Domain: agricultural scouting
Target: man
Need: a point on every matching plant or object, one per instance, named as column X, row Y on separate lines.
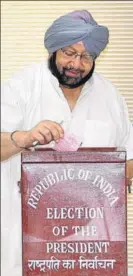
column 44, row 101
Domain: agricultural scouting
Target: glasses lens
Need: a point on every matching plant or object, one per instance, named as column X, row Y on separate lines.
column 86, row 58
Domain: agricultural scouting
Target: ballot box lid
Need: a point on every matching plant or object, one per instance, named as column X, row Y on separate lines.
column 91, row 155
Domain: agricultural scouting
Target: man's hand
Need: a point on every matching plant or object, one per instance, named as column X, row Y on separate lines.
column 43, row 133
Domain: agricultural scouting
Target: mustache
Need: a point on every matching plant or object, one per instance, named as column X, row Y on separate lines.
column 72, row 69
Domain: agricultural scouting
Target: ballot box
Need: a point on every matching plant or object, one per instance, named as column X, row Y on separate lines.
column 74, row 220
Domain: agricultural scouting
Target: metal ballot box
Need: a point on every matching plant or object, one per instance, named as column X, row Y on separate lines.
column 74, row 220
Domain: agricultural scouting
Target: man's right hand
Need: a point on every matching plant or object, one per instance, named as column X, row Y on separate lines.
column 43, row 133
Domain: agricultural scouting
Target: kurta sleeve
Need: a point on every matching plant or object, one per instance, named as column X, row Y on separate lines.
column 126, row 139
column 13, row 102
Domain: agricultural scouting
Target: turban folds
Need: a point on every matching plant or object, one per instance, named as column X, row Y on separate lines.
column 74, row 27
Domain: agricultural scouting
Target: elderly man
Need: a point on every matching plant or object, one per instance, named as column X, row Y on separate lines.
column 43, row 102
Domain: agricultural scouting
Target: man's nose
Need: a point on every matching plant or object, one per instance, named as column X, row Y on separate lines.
column 75, row 62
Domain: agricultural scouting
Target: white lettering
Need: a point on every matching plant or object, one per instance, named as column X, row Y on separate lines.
column 77, row 247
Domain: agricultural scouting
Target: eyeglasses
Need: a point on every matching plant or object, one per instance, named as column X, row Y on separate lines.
column 83, row 57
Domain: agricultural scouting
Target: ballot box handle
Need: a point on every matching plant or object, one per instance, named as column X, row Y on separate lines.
column 129, row 184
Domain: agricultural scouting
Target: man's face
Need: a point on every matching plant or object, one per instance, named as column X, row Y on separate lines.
column 73, row 66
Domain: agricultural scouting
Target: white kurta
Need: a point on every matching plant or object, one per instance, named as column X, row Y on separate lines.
column 99, row 118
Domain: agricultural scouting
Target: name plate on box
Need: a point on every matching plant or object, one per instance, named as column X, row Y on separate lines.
column 74, row 213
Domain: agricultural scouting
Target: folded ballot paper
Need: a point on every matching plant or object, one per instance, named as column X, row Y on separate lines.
column 69, row 142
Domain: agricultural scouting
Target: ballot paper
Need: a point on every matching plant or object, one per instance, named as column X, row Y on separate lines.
column 69, row 142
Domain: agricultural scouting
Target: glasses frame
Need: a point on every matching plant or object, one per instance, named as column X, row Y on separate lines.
column 76, row 54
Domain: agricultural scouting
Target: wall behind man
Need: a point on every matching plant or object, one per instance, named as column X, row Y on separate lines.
column 24, row 24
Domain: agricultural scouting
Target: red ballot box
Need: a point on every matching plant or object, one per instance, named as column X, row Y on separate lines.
column 74, row 213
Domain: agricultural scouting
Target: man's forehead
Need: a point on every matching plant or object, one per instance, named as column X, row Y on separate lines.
column 80, row 43
column 79, row 46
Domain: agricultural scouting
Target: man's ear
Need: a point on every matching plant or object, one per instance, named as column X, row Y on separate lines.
column 50, row 55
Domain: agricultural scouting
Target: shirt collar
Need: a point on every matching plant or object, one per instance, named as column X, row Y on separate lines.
column 86, row 88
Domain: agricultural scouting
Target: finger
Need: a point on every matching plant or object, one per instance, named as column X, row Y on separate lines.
column 38, row 137
column 60, row 129
column 55, row 134
column 56, row 126
column 46, row 132
column 53, row 129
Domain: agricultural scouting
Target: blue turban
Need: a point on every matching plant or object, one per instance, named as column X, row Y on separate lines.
column 74, row 27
